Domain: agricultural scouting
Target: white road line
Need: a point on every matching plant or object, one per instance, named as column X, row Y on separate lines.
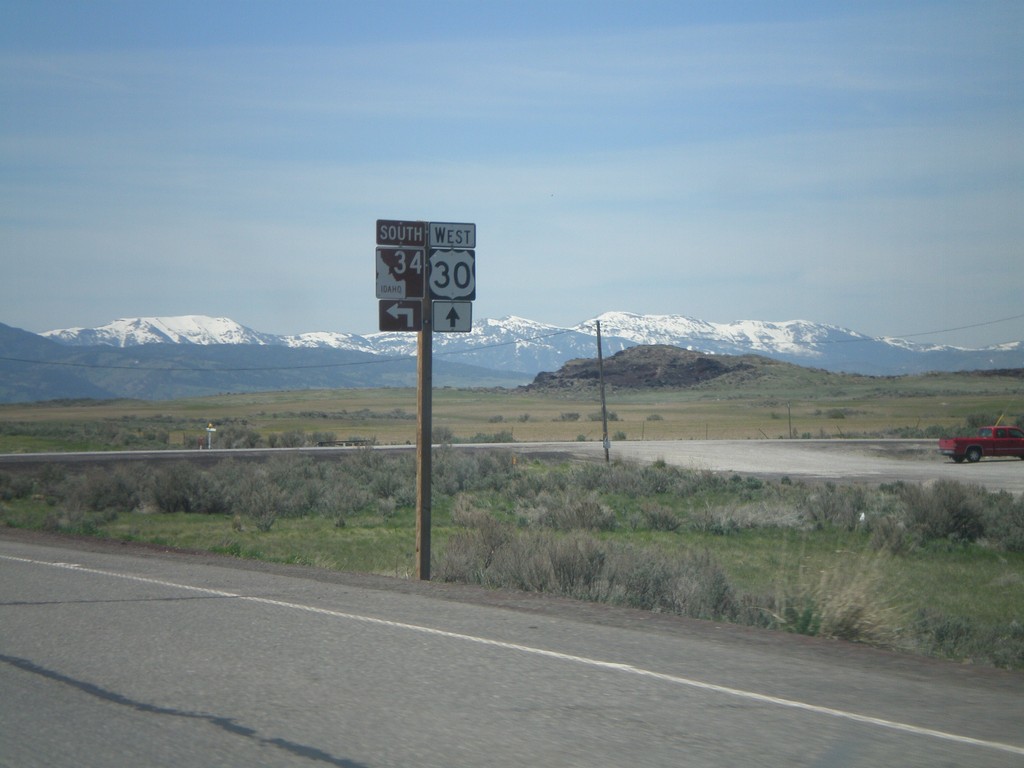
column 567, row 657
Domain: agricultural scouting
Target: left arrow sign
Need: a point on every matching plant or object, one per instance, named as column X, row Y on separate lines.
column 400, row 315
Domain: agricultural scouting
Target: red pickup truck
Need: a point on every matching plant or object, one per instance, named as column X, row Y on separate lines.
column 990, row 441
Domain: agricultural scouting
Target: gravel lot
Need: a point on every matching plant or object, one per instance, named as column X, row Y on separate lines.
column 867, row 461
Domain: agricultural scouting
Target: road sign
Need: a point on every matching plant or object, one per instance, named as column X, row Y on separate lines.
column 392, row 232
column 452, row 275
column 452, row 316
column 400, row 273
column 400, row 315
column 448, row 235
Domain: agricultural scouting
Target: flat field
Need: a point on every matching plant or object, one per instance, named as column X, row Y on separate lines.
column 798, row 402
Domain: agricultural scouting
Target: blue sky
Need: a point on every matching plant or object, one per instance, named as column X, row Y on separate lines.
column 855, row 163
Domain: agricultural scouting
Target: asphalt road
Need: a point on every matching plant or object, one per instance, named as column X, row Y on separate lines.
column 867, row 461
column 117, row 657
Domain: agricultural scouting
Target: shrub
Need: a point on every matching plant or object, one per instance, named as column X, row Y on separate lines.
column 183, row 487
column 946, row 510
column 442, row 436
column 890, row 534
column 958, row 637
column 646, row 581
column 659, row 518
column 504, row 436
column 291, row 439
column 239, row 436
column 15, row 486
column 578, row 513
column 469, row 555
column 260, row 499
column 846, row 601
column 117, row 489
column 580, row 566
column 690, row 585
column 386, row 508
column 832, row 505
column 459, row 562
column 1003, row 521
column 577, row 564
column 718, row 520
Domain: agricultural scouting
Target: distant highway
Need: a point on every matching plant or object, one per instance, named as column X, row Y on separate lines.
column 862, row 461
column 118, row 656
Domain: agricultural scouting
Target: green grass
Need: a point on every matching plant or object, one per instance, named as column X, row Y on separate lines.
column 368, row 548
column 977, row 583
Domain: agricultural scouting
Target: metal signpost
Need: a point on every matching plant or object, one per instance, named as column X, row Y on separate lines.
column 426, row 281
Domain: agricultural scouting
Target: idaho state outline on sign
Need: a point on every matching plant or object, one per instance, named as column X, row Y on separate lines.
column 400, row 273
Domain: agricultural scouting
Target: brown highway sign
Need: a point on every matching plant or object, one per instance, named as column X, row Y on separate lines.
column 400, row 315
column 398, row 233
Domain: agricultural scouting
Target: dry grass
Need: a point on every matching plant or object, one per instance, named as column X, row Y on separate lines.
column 810, row 402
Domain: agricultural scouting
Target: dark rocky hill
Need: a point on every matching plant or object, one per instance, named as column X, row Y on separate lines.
column 657, row 366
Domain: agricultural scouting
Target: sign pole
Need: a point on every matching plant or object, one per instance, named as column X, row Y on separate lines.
column 604, row 408
column 424, row 387
column 408, row 255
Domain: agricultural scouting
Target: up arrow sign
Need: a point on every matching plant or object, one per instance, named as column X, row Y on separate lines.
column 452, row 316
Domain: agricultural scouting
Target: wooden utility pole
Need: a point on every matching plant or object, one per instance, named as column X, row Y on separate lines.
column 604, row 409
column 424, row 427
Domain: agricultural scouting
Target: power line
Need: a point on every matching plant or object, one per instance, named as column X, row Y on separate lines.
column 190, row 369
column 960, row 328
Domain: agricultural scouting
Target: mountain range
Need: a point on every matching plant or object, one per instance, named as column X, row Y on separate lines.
column 514, row 344
column 193, row 355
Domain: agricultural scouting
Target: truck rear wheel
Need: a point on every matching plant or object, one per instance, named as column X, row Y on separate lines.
column 973, row 454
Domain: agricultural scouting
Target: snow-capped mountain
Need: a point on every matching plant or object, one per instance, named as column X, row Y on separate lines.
column 184, row 329
column 521, row 345
column 795, row 337
column 508, row 344
column 809, row 344
column 201, row 330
